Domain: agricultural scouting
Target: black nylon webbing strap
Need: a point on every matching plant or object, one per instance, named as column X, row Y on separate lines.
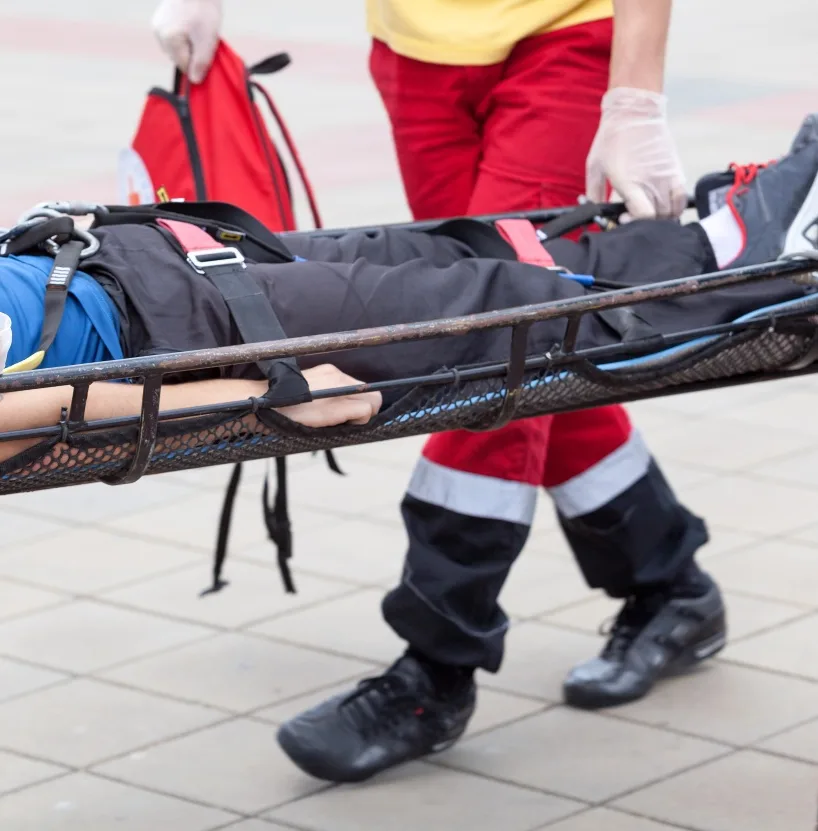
column 56, row 291
column 36, row 235
column 256, row 321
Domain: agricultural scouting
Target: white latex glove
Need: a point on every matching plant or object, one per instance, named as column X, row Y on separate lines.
column 188, row 31
column 634, row 150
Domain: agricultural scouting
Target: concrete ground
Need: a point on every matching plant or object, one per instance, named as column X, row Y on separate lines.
column 126, row 701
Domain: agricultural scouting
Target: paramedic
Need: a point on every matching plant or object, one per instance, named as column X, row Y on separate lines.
column 495, row 106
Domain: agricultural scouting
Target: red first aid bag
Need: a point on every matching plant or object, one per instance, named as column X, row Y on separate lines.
column 209, row 141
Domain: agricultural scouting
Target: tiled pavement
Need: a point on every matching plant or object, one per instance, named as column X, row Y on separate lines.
column 128, row 702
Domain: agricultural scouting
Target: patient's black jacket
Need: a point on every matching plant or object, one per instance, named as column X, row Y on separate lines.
column 392, row 276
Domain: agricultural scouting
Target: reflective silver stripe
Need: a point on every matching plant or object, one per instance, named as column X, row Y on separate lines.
column 473, row 495
column 598, row 485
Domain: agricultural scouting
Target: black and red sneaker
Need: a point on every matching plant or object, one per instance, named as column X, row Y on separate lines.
column 775, row 205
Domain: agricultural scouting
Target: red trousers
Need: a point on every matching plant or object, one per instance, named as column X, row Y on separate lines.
column 484, row 139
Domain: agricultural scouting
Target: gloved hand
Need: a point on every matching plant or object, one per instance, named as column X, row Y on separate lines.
column 188, row 31
column 634, row 150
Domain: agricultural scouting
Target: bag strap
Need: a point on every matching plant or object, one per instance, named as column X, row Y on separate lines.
column 302, row 173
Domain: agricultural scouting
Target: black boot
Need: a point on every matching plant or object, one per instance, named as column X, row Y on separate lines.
column 413, row 709
column 654, row 635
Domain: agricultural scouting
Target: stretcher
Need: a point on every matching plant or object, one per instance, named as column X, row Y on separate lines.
column 769, row 343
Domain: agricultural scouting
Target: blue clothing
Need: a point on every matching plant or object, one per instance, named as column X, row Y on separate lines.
column 89, row 330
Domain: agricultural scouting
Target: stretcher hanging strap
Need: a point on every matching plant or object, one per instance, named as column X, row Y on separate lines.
column 256, row 321
column 249, row 307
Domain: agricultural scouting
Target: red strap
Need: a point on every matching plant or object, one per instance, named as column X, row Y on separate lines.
column 191, row 237
column 521, row 235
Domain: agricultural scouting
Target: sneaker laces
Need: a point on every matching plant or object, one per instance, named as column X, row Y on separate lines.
column 743, row 176
column 376, row 703
column 626, row 627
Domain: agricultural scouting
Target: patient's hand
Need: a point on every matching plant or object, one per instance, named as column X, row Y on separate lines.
column 329, row 412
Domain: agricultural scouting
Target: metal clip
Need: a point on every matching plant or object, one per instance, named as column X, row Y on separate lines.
column 213, row 257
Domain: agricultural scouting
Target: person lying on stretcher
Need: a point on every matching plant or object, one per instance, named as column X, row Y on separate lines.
column 139, row 294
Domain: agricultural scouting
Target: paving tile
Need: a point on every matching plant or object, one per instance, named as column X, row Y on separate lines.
column 255, row 593
column 350, row 625
column 84, row 636
column 83, row 504
column 236, row 766
column 20, row 772
column 723, row 541
column 652, row 417
column 776, row 569
column 21, row 528
column 400, row 453
column 86, row 721
column 194, row 521
column 87, row 561
column 746, row 791
column 597, row 757
column 800, row 742
column 792, row 648
column 537, row 659
column 361, row 488
column 742, row 704
column 86, row 803
column 800, row 469
column 782, row 412
column 17, row 599
column 356, row 551
column 422, row 796
column 725, row 444
column 754, row 506
column 18, row 678
column 805, row 535
column 605, row 819
column 236, row 672
column 713, row 402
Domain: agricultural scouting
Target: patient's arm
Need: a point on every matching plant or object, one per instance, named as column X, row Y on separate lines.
column 42, row 407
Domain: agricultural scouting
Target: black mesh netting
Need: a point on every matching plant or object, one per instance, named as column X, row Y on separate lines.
column 235, row 437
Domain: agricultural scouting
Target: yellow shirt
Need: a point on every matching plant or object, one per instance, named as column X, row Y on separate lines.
column 472, row 32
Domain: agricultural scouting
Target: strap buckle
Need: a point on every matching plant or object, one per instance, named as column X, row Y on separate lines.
column 215, row 257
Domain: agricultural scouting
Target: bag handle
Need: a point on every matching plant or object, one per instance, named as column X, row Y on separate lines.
column 271, row 65
column 266, row 66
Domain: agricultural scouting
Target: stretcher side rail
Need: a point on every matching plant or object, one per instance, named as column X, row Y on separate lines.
column 119, row 451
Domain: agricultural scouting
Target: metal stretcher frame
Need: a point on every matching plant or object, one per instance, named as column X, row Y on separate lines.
column 122, row 450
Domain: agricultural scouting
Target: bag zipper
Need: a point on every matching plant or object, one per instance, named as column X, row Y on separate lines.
column 182, row 108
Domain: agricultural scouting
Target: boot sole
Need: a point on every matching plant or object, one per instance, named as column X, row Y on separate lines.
column 318, row 768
